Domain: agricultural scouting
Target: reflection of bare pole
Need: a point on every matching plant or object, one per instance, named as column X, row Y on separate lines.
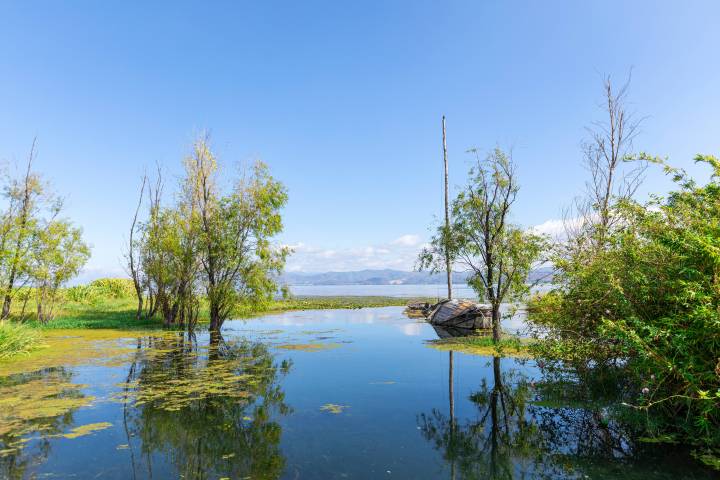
column 448, row 269
column 451, row 393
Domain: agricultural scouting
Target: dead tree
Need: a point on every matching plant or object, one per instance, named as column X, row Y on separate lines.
column 133, row 256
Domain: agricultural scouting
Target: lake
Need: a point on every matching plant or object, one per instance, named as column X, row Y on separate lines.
column 402, row 291
column 335, row 394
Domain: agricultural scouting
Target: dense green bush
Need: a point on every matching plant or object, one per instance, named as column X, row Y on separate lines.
column 101, row 289
column 648, row 304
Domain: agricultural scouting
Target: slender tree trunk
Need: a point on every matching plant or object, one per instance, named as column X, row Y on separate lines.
column 215, row 320
column 138, row 315
column 497, row 331
column 8, row 294
column 40, row 303
column 134, row 269
column 22, row 311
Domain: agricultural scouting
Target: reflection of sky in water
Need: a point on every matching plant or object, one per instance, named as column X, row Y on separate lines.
column 391, row 395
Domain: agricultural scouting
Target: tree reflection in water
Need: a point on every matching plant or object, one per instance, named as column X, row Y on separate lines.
column 34, row 407
column 489, row 445
column 526, row 431
column 207, row 411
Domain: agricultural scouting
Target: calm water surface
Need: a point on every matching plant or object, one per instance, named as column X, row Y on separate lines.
column 354, row 394
column 402, row 291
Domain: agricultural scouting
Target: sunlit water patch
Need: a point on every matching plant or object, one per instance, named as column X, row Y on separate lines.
column 314, row 394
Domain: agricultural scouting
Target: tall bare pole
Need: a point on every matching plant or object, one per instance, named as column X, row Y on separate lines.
column 451, row 390
column 447, row 216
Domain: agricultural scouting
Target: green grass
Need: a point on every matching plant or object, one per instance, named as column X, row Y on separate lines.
column 16, row 340
column 324, row 303
column 119, row 313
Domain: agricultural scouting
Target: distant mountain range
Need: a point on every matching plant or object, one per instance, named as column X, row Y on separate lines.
column 387, row 277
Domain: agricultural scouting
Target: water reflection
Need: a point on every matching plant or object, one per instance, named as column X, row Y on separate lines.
column 200, row 407
column 207, row 411
column 490, row 445
column 34, row 407
column 520, row 431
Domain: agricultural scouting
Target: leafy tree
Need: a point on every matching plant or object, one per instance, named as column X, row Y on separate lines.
column 58, row 254
column 238, row 258
column 498, row 254
column 211, row 242
column 28, row 199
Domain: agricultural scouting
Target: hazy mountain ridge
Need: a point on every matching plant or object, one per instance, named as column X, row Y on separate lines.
column 387, row 277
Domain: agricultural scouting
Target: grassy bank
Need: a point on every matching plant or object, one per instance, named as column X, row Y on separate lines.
column 119, row 313
column 106, row 310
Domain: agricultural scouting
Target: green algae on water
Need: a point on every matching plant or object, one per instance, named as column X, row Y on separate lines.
column 181, row 373
column 83, row 430
column 333, row 408
column 39, row 404
column 483, row 346
column 308, row 347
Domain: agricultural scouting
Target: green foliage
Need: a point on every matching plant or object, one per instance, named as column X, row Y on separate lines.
column 58, row 254
column 16, row 339
column 112, row 287
column 239, row 261
column 211, row 243
column 648, row 303
column 36, row 247
column 498, row 254
column 101, row 289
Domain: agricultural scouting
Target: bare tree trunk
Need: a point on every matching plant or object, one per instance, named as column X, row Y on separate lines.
column 134, row 269
column 448, row 268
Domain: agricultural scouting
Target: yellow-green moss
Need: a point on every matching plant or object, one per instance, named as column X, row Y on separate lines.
column 83, row 430
column 483, row 346
column 308, row 347
column 333, row 408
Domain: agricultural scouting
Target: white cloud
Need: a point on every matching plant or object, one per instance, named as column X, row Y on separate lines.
column 398, row 254
column 409, row 240
column 556, row 228
column 552, row 227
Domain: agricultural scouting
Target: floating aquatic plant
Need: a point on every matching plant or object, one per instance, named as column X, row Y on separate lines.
column 308, row 347
column 83, row 430
column 334, row 408
column 37, row 403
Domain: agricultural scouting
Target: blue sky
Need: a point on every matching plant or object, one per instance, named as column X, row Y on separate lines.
column 343, row 100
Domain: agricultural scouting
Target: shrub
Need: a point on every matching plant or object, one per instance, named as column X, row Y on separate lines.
column 648, row 303
column 16, row 339
column 101, row 289
column 113, row 287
